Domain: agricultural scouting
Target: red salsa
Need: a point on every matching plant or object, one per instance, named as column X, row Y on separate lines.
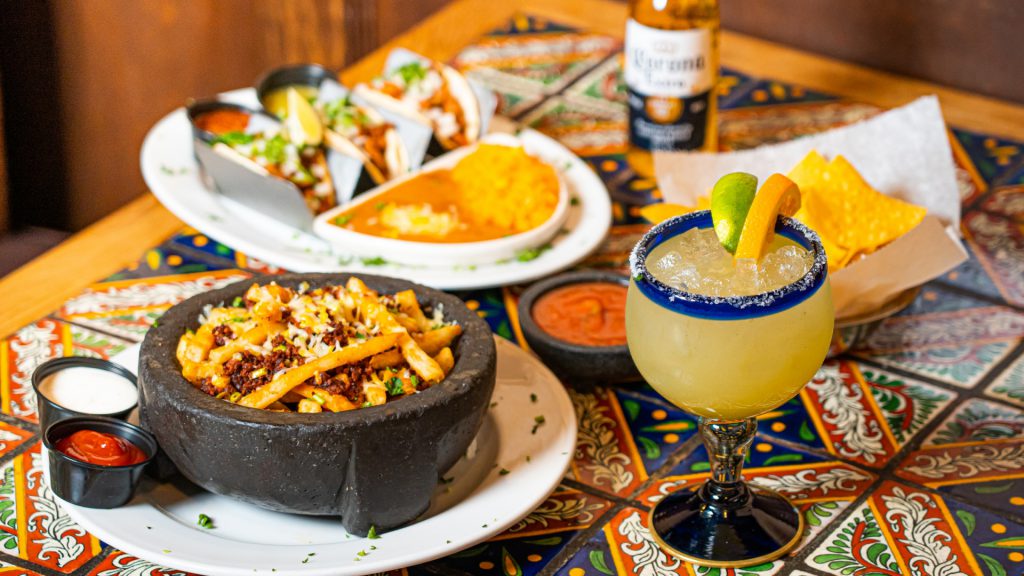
column 100, row 448
column 223, row 121
column 588, row 314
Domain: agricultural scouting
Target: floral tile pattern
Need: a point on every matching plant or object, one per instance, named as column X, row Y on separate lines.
column 906, row 456
column 998, row 243
column 1009, row 386
column 118, row 563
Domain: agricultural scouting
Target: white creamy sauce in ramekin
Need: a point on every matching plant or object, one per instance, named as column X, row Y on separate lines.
column 89, row 390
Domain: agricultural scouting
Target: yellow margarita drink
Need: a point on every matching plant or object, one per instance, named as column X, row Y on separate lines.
column 728, row 339
column 728, row 314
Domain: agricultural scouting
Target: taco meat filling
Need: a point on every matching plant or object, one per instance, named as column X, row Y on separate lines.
column 424, row 87
column 363, row 128
column 305, row 166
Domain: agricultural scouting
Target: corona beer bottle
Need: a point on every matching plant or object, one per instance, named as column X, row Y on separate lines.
column 671, row 68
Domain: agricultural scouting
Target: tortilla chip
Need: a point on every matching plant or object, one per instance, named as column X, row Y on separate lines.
column 851, row 217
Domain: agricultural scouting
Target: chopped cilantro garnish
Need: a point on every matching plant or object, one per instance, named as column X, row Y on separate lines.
column 361, row 552
column 156, row 323
column 412, row 72
column 533, row 398
column 274, row 150
column 367, row 404
column 394, row 387
column 574, row 201
column 237, row 302
column 343, row 219
column 372, row 534
column 415, row 380
column 233, row 138
column 537, row 421
column 375, row 261
column 529, row 254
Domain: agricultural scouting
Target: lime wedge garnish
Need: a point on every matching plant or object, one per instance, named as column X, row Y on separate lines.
column 302, row 123
column 730, row 201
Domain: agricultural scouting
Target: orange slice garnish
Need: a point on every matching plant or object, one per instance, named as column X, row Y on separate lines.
column 778, row 196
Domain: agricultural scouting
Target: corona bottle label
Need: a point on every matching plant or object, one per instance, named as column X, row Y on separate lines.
column 670, row 78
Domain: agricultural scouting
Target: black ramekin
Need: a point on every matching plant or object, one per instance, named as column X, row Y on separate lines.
column 292, row 75
column 93, row 485
column 51, row 412
column 578, row 366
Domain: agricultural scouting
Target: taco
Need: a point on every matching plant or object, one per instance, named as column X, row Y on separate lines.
column 271, row 153
column 362, row 133
column 432, row 93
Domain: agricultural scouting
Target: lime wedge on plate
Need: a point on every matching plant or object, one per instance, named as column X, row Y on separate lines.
column 301, row 122
column 730, row 201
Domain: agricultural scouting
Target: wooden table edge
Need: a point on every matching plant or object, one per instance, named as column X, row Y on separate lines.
column 44, row 284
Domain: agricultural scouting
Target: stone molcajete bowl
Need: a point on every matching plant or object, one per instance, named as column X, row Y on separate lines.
column 372, row 466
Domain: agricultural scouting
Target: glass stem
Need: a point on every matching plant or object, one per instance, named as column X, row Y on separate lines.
column 727, row 444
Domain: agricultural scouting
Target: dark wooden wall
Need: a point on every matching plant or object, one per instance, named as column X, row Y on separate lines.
column 85, row 79
column 970, row 44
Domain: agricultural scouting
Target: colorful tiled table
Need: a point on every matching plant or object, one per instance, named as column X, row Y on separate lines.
column 906, row 454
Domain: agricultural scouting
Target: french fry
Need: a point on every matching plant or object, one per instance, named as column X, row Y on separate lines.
column 199, row 344
column 307, row 406
column 432, row 342
column 359, row 287
column 419, row 360
column 445, row 359
column 196, row 371
column 374, row 390
column 386, row 359
column 407, row 322
column 254, row 336
column 408, row 304
column 282, row 384
column 333, row 402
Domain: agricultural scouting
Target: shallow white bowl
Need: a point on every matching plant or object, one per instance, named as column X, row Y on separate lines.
column 438, row 253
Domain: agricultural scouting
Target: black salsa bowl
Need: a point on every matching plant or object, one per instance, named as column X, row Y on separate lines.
column 375, row 466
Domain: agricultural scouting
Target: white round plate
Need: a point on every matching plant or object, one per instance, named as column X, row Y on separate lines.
column 160, row 523
column 172, row 174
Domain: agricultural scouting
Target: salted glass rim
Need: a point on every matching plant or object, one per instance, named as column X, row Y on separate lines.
column 726, row 307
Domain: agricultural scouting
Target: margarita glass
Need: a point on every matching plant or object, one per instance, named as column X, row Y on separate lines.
column 728, row 359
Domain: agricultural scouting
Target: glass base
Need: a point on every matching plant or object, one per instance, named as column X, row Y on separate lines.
column 727, row 526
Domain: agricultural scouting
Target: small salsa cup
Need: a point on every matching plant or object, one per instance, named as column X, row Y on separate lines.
column 93, row 485
column 579, row 366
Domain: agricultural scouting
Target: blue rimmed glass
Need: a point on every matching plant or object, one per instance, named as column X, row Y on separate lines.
column 727, row 360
